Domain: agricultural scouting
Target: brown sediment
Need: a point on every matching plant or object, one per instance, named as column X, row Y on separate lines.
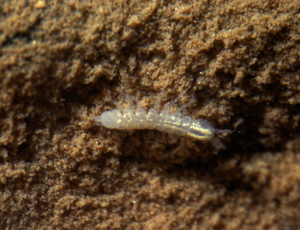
column 60, row 64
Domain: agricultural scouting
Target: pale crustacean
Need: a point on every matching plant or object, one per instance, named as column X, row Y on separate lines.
column 131, row 118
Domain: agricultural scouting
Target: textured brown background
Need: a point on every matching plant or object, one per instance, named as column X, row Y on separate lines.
column 60, row 65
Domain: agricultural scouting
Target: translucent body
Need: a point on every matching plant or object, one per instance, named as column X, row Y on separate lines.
column 173, row 123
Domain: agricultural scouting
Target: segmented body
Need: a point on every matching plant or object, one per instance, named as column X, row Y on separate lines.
column 175, row 123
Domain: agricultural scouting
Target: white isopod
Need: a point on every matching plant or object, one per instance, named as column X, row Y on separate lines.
column 175, row 123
